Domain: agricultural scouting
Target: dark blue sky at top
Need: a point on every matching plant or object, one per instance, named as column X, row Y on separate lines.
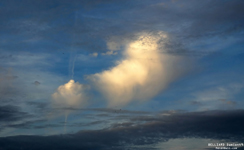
column 41, row 39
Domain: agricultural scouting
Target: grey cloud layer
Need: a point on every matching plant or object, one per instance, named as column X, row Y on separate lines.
column 221, row 125
column 10, row 113
column 79, row 24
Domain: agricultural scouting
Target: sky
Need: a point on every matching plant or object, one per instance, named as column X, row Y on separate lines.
column 121, row 75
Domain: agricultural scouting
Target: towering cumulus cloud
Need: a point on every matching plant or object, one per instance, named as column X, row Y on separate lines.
column 69, row 94
column 143, row 73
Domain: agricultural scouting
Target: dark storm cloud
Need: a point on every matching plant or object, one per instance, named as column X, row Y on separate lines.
column 220, row 125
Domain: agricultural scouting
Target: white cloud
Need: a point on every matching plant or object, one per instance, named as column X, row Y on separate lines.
column 70, row 94
column 141, row 75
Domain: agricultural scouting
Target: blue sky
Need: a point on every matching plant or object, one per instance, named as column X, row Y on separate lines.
column 68, row 67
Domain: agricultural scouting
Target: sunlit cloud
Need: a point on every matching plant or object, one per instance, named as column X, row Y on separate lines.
column 143, row 73
column 70, row 95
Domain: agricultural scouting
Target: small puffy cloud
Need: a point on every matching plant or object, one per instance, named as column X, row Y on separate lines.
column 111, row 45
column 94, row 54
column 70, row 94
column 143, row 73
